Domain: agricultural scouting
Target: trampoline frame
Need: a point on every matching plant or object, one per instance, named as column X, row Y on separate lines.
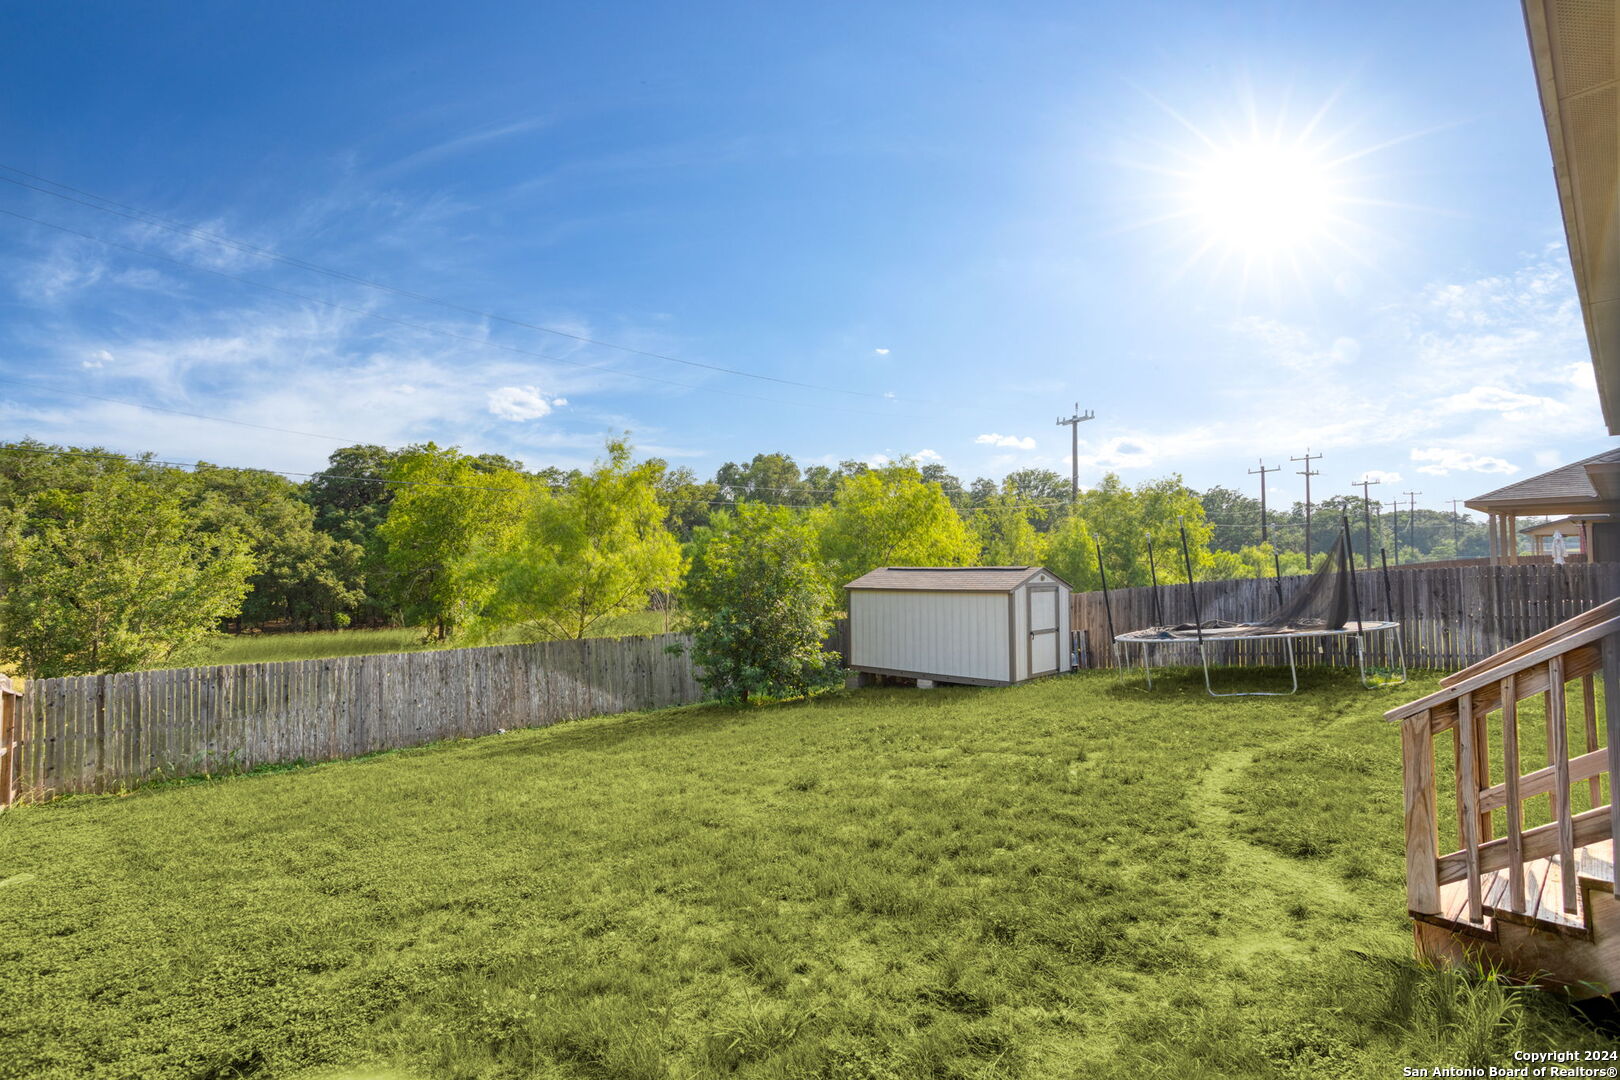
column 1287, row 637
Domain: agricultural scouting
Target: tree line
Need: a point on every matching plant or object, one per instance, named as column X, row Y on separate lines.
column 115, row 562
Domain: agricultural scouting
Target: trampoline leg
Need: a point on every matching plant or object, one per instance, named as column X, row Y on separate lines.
column 1361, row 659
column 1400, row 645
column 1147, row 666
column 1293, row 674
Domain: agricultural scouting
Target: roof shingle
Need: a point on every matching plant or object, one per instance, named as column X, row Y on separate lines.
column 948, row 578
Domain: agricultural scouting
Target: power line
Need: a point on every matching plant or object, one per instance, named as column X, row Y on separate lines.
column 422, row 327
column 1074, row 423
column 1307, row 472
column 1265, row 536
column 109, row 206
column 141, row 460
column 1366, row 510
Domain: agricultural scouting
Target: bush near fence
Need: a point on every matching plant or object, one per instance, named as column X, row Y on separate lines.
column 1450, row 616
column 108, row 732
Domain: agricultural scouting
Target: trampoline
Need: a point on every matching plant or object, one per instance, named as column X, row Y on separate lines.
column 1328, row 606
column 1203, row 637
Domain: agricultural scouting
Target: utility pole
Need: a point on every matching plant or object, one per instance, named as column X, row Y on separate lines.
column 1366, row 511
column 1074, row 423
column 1395, row 527
column 1262, row 470
column 1411, row 519
column 1456, row 544
column 1307, row 472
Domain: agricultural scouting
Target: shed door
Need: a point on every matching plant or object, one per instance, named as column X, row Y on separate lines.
column 1045, row 646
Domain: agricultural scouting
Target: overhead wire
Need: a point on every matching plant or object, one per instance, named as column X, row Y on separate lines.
column 12, row 448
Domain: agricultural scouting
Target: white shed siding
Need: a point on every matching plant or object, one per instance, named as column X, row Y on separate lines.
column 1020, row 605
column 932, row 633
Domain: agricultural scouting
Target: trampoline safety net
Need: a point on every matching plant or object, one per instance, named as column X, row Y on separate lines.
column 1327, row 601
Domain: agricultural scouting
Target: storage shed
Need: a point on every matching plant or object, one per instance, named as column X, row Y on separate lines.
column 985, row 625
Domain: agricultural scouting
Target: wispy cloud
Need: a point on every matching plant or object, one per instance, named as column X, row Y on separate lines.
column 1441, row 461
column 1011, row 441
column 458, row 144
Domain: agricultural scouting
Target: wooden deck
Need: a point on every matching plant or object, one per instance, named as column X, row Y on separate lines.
column 1538, row 903
column 1544, row 889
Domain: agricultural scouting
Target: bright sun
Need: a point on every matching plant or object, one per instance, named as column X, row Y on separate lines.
column 1261, row 199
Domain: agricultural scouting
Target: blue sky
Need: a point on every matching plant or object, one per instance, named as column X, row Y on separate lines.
column 953, row 221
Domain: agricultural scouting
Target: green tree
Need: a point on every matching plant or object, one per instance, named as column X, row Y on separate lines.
column 112, row 578
column 687, row 503
column 447, row 514
column 1122, row 519
column 1044, row 493
column 768, row 478
column 1235, row 516
column 304, row 577
column 759, row 606
column 596, row 549
column 1005, row 535
column 890, row 517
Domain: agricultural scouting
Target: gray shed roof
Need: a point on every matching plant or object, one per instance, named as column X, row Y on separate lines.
column 950, row 578
column 1570, row 485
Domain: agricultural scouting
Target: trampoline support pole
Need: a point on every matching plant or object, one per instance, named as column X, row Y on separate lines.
column 1293, row 674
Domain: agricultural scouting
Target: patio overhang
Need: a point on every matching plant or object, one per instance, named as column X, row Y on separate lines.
column 1574, row 48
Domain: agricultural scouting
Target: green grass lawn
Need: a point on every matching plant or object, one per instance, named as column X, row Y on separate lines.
column 1072, row 878
column 321, row 644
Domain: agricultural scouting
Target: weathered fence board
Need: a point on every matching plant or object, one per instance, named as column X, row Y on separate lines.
column 103, row 732
column 1450, row 616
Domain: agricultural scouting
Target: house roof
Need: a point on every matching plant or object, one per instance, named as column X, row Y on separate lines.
column 1573, row 48
column 1563, row 524
column 1583, row 485
column 998, row 579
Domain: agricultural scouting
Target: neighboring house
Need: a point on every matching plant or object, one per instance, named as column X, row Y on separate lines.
column 1572, row 529
column 1587, row 490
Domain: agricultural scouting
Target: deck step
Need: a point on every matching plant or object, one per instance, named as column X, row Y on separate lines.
column 1543, row 891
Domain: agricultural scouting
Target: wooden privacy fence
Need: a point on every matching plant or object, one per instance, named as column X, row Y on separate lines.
column 10, row 702
column 103, row 732
column 1450, row 617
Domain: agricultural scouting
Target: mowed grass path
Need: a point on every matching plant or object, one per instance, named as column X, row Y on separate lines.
column 1070, row 878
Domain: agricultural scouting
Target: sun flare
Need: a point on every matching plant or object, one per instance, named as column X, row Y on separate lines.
column 1263, row 199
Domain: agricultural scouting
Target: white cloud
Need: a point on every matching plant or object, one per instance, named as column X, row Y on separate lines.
column 1379, row 476
column 877, row 461
column 1123, row 452
column 560, row 402
column 1013, row 441
column 522, row 403
column 927, row 455
column 1513, row 405
column 99, row 358
column 881, row 352
column 1444, row 460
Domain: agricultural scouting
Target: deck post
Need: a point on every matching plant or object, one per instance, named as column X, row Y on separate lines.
column 1422, row 843
column 1611, row 711
column 1515, row 807
column 1558, row 743
column 1468, row 804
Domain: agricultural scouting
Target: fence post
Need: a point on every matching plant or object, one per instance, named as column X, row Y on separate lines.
column 8, row 742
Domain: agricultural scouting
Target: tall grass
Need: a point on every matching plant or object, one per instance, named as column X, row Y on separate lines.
column 323, row 644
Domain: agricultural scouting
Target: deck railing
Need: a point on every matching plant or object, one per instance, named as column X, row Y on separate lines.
column 1575, row 651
